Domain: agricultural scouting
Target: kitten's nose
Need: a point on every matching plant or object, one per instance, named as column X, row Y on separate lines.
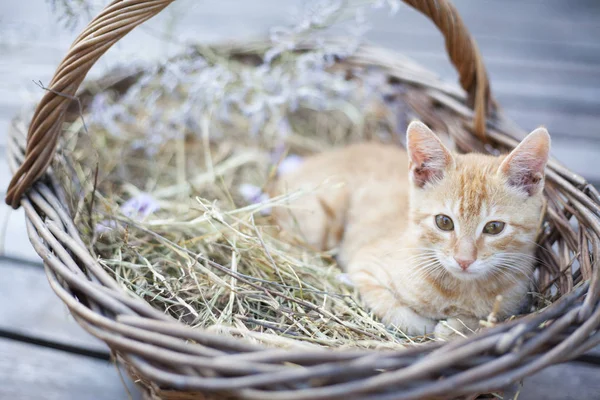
column 464, row 264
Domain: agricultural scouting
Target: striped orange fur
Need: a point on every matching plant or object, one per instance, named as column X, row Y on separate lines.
column 378, row 205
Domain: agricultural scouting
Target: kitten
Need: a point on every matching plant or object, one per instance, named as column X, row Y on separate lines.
column 430, row 238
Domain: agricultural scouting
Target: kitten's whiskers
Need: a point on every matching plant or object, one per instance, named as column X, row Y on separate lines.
column 426, row 268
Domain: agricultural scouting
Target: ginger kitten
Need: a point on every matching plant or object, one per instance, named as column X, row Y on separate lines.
column 426, row 235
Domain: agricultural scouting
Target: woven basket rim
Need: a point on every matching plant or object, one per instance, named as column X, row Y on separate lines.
column 168, row 354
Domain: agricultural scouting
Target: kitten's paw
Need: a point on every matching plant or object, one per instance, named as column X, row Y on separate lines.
column 444, row 331
column 453, row 328
column 409, row 322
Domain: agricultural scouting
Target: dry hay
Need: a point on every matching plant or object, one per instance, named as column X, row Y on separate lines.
column 167, row 194
column 166, row 176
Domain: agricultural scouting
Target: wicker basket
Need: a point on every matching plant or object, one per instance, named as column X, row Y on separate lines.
column 173, row 361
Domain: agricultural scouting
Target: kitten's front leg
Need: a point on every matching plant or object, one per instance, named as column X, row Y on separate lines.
column 455, row 327
column 319, row 218
column 409, row 322
column 388, row 306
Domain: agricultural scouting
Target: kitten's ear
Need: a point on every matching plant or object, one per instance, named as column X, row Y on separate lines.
column 524, row 166
column 428, row 157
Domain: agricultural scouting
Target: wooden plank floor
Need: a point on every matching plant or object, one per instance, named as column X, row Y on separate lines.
column 544, row 62
column 44, row 353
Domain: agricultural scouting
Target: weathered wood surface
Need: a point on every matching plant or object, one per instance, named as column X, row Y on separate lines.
column 544, row 62
column 29, row 372
column 29, row 309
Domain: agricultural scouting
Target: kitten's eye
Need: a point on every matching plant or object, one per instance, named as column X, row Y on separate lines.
column 493, row 228
column 444, row 222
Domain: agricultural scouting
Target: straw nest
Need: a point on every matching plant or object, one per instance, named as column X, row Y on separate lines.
column 166, row 169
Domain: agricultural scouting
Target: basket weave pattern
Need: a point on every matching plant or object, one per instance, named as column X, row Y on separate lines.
column 173, row 361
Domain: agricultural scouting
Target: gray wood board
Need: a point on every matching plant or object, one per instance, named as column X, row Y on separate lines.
column 29, row 372
column 30, row 308
column 33, row 309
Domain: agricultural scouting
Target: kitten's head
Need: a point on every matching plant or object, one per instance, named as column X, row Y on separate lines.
column 477, row 215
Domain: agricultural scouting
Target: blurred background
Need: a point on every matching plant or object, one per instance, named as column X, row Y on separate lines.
column 543, row 57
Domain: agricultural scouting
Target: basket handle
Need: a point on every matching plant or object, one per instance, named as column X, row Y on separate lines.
column 121, row 16
column 465, row 56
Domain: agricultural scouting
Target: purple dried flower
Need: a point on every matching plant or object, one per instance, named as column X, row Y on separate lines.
column 253, row 194
column 105, row 226
column 140, row 206
column 250, row 193
column 289, row 164
column 137, row 208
